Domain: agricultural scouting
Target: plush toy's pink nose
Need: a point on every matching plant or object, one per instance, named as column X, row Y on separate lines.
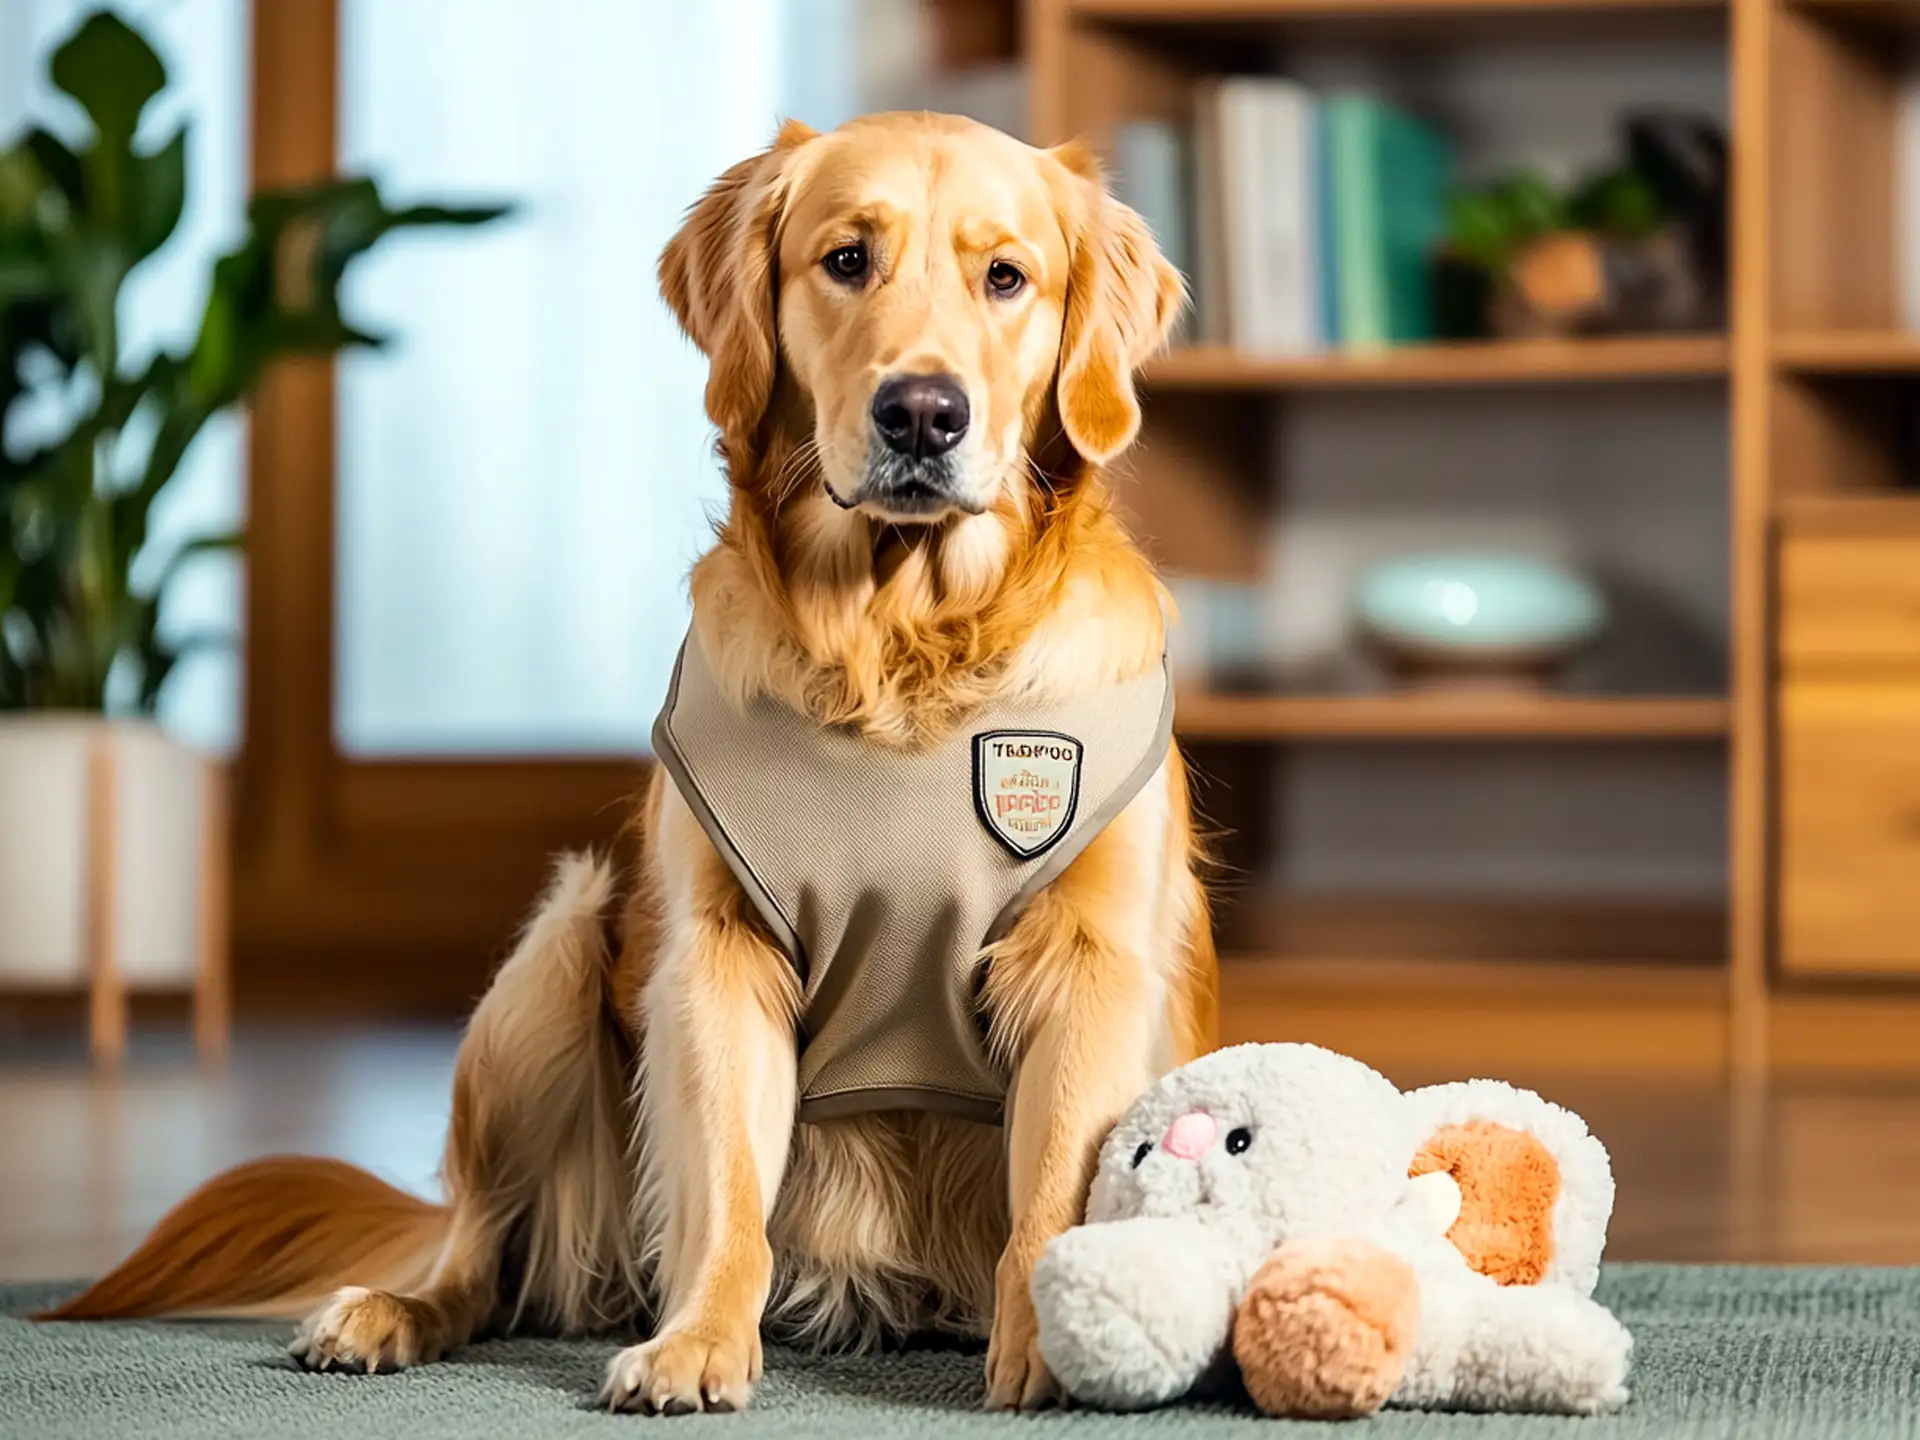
column 1191, row 1136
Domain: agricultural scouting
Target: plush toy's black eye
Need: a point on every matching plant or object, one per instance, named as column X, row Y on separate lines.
column 1146, row 1149
column 1238, row 1140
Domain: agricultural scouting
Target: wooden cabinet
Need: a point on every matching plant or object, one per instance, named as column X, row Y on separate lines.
column 1851, row 602
column 1850, row 754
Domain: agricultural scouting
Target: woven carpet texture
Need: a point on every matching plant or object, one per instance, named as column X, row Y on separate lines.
column 1744, row 1353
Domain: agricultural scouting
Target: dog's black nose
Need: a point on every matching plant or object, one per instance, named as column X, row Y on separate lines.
column 921, row 415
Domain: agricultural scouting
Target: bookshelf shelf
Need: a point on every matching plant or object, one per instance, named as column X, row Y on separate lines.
column 1436, row 1017
column 1863, row 511
column 1191, row 12
column 1618, row 359
column 1880, row 15
column 1848, row 352
column 1493, row 716
column 1200, row 29
column 1591, row 981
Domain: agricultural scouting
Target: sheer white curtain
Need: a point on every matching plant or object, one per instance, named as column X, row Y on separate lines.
column 526, row 475
column 205, row 46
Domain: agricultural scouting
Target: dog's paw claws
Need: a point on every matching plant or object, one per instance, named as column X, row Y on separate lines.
column 682, row 1373
column 358, row 1332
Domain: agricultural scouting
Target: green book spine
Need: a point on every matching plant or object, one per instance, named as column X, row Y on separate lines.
column 1354, row 153
column 1415, row 169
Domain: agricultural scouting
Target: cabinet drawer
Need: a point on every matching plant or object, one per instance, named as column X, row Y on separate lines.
column 1850, row 600
column 1850, row 827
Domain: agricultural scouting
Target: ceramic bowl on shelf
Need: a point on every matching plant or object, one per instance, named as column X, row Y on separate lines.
column 1219, row 639
column 1477, row 618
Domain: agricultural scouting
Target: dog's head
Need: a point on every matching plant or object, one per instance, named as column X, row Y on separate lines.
column 917, row 301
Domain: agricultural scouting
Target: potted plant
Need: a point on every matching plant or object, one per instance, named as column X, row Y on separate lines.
column 111, row 844
column 1636, row 246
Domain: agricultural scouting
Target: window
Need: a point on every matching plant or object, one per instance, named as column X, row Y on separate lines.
column 526, row 475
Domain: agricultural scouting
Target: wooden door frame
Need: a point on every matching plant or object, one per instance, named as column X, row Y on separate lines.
column 367, row 887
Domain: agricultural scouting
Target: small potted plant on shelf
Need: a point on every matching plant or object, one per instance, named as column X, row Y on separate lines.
column 1638, row 246
column 112, row 846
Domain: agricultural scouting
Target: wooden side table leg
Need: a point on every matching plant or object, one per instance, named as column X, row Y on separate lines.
column 107, row 1003
column 212, row 991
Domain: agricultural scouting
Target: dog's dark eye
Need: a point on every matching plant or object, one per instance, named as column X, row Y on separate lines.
column 848, row 263
column 1238, row 1140
column 1004, row 278
column 1146, row 1149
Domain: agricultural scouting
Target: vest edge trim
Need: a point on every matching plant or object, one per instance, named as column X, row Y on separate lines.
column 667, row 750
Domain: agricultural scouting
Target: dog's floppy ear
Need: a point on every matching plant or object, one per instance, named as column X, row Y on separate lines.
column 1122, row 299
column 719, row 276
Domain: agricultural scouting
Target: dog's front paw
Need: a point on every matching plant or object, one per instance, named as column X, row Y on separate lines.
column 362, row 1332
column 683, row 1372
column 1017, row 1374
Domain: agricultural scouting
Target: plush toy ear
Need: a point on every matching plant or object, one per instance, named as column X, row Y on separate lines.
column 1122, row 300
column 1507, row 1183
column 1535, row 1189
column 719, row 276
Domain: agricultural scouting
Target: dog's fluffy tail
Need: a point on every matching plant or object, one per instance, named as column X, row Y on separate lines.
column 271, row 1239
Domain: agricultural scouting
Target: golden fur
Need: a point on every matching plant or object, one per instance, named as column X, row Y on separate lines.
column 623, row 1139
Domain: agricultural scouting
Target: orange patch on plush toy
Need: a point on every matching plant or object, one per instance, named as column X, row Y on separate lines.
column 1325, row 1328
column 1508, row 1182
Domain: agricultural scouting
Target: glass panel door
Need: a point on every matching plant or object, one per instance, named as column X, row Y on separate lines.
column 526, row 474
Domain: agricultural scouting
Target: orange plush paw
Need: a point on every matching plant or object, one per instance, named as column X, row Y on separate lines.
column 1325, row 1329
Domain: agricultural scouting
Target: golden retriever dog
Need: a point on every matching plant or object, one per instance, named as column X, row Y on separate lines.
column 922, row 338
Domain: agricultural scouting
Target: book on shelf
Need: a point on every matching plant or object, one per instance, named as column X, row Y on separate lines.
column 1302, row 222
column 1388, row 174
column 1263, row 165
column 1906, row 197
column 1153, row 172
column 1212, row 303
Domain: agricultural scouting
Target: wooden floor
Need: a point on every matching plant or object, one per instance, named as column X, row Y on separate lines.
column 1806, row 1172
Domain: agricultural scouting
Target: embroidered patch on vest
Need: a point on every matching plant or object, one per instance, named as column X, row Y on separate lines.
column 1025, row 786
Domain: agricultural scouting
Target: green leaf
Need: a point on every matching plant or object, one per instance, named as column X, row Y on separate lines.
column 93, row 268
column 1619, row 202
column 156, row 195
column 24, row 277
column 225, row 543
column 159, row 658
column 1479, row 229
column 217, row 371
column 112, row 72
column 1535, row 208
column 60, row 165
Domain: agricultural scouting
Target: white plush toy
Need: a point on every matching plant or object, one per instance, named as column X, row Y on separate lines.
column 1286, row 1209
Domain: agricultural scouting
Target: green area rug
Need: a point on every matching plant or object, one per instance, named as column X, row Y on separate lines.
column 1720, row 1351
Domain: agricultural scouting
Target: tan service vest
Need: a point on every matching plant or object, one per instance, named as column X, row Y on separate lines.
column 883, row 873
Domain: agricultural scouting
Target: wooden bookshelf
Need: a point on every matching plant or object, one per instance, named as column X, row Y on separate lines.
column 1197, row 12
column 1456, row 716
column 1848, row 352
column 1897, row 16
column 1818, row 381
column 1397, row 24
column 1863, row 511
column 1419, row 1016
column 1616, row 359
column 1595, row 982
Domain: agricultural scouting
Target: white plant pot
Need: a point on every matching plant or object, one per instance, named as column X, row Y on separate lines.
column 111, row 867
